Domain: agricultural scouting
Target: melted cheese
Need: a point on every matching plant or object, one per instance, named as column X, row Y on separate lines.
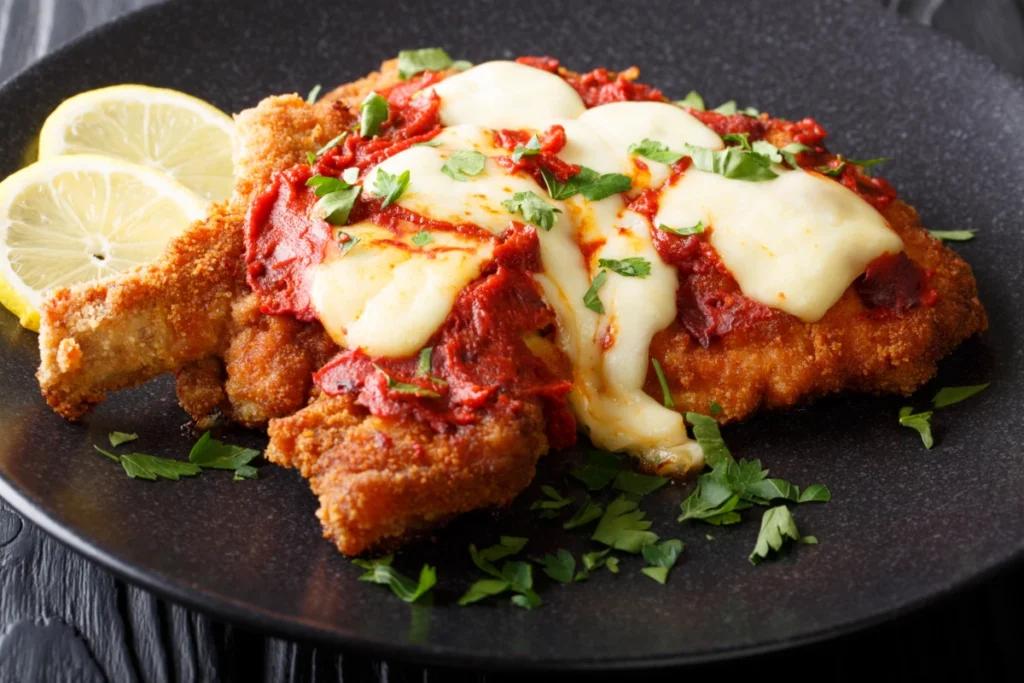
column 794, row 243
column 507, row 95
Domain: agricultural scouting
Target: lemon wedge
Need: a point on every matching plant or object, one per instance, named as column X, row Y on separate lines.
column 167, row 130
column 82, row 217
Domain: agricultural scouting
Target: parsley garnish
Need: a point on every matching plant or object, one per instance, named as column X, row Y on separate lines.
column 427, row 143
column 713, row 502
column 921, row 422
column 555, row 501
column 380, row 571
column 246, row 472
column 210, row 453
column 514, row 576
column 715, row 409
column 947, row 396
column 337, row 205
column 601, row 469
column 709, row 438
column 740, row 139
column 331, row 144
column 118, row 438
column 655, row 151
column 310, row 158
column 867, row 163
column 729, row 109
column 560, row 567
column 412, row 62
column 586, row 514
column 815, row 493
column 141, row 466
column 777, row 525
column 623, row 527
column 313, row 94
column 532, row 148
column 588, row 182
column 422, row 238
column 684, row 232
column 464, row 163
column 423, row 365
column 347, row 244
column 403, row 388
column 660, row 558
column 776, row 155
column 640, row 484
column 590, row 299
column 666, row 394
column 954, row 235
column 595, row 560
column 390, row 186
column 324, row 185
column 535, row 210
column 634, row 266
column 693, row 100
column 373, row 112
column 732, row 162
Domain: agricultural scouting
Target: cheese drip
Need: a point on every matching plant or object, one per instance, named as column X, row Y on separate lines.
column 795, row 243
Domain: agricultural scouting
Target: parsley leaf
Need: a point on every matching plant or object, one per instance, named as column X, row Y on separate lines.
column 947, row 396
column 209, row 453
column 555, row 501
column 507, row 545
column 684, row 232
column 348, row 243
column 777, row 525
column 331, row 144
column 585, row 515
column 709, row 438
column 390, row 186
column 815, row 493
column 561, row 567
column 380, row 571
column 464, row 163
column 634, row 266
column 337, row 205
column 640, row 484
column 141, row 466
column 118, row 438
column 655, row 151
column 535, row 210
column 776, row 155
column 741, row 140
column 412, row 62
column 867, row 163
column 588, row 182
column 715, row 409
column 693, row 100
column 484, row 588
column 403, row 388
column 921, row 422
column 246, row 472
column 732, row 162
column 601, row 469
column 765, row 490
column 590, row 299
column 373, row 112
column 726, row 108
column 954, row 235
column 313, row 94
column 595, row 560
column 666, row 393
column 422, row 238
column 660, row 558
column 712, row 501
column 423, row 364
column 427, row 143
column 324, row 185
column 532, row 148
column 623, row 527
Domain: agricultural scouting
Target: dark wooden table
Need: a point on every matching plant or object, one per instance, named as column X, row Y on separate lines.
column 64, row 619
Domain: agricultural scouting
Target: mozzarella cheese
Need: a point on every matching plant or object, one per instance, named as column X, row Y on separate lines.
column 795, row 243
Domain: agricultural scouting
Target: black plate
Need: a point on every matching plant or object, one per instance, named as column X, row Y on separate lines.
column 905, row 525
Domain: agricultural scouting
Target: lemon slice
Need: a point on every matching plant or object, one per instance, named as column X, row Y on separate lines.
column 83, row 217
column 170, row 131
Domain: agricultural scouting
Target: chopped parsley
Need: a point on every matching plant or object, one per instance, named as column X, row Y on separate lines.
column 423, row 364
column 601, row 469
column 514, row 576
column 337, row 205
column 709, row 438
column 693, row 100
column 422, row 238
column 684, row 232
column 777, row 525
column 535, row 210
column 815, row 493
column 463, row 163
column 660, row 558
column 324, row 185
column 348, row 243
column 920, row 422
column 390, row 186
column 532, row 148
column 640, row 484
column 313, row 94
column 373, row 112
column 867, row 163
column 741, row 140
column 729, row 109
column 427, row 143
column 210, row 453
column 591, row 299
column 332, row 143
column 118, row 438
column 412, row 62
column 655, row 151
column 666, row 393
column 623, row 527
column 732, row 162
column 587, row 513
column 246, row 472
column 715, row 409
column 141, row 466
column 776, row 155
column 555, row 501
column 588, row 182
column 954, row 235
column 561, row 567
column 380, row 571
column 403, row 388
column 947, row 396
column 634, row 266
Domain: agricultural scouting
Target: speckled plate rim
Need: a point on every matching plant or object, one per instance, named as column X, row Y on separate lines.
column 245, row 614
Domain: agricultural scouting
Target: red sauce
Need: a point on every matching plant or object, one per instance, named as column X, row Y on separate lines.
column 479, row 352
column 551, row 143
column 602, row 86
column 892, row 283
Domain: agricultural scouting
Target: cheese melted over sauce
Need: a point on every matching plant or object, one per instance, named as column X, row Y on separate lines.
column 795, row 243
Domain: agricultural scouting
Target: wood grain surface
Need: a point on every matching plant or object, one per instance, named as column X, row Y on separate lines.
column 62, row 618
